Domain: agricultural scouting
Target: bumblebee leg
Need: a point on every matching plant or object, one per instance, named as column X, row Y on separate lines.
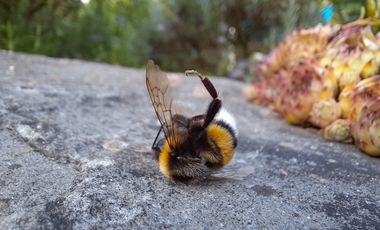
column 214, row 160
column 155, row 143
column 212, row 110
column 206, row 82
column 155, row 148
column 215, row 104
column 211, row 157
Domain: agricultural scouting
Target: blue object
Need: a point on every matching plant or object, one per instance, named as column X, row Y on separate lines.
column 327, row 13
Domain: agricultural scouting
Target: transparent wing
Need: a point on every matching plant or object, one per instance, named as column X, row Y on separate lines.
column 160, row 94
column 232, row 173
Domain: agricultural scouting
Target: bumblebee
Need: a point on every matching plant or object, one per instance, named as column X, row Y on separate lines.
column 194, row 147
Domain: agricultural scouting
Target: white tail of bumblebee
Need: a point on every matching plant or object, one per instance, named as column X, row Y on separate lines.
column 224, row 115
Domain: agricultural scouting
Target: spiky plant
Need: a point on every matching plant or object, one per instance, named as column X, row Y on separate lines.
column 366, row 127
column 300, row 88
column 339, row 131
column 324, row 112
column 300, row 45
column 364, row 91
column 353, row 54
column 305, row 74
column 361, row 105
column 260, row 93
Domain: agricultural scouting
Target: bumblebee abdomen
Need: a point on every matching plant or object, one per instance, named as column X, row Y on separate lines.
column 223, row 139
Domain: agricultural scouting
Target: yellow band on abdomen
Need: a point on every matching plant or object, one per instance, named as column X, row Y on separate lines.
column 223, row 138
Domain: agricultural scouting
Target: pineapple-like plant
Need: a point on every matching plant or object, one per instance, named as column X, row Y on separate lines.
column 365, row 127
column 339, row 131
column 364, row 115
column 300, row 45
column 324, row 112
column 353, row 54
column 300, row 88
column 364, row 91
column 327, row 76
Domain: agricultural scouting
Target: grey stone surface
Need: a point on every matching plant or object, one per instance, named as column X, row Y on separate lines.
column 75, row 154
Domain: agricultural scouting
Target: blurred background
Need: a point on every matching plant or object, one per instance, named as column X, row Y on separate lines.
column 218, row 37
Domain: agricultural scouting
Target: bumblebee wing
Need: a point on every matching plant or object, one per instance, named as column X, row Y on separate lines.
column 233, row 173
column 160, row 94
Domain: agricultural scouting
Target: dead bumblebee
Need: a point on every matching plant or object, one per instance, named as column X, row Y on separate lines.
column 194, row 147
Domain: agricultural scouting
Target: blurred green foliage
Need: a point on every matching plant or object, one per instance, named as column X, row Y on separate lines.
column 211, row 36
column 347, row 10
